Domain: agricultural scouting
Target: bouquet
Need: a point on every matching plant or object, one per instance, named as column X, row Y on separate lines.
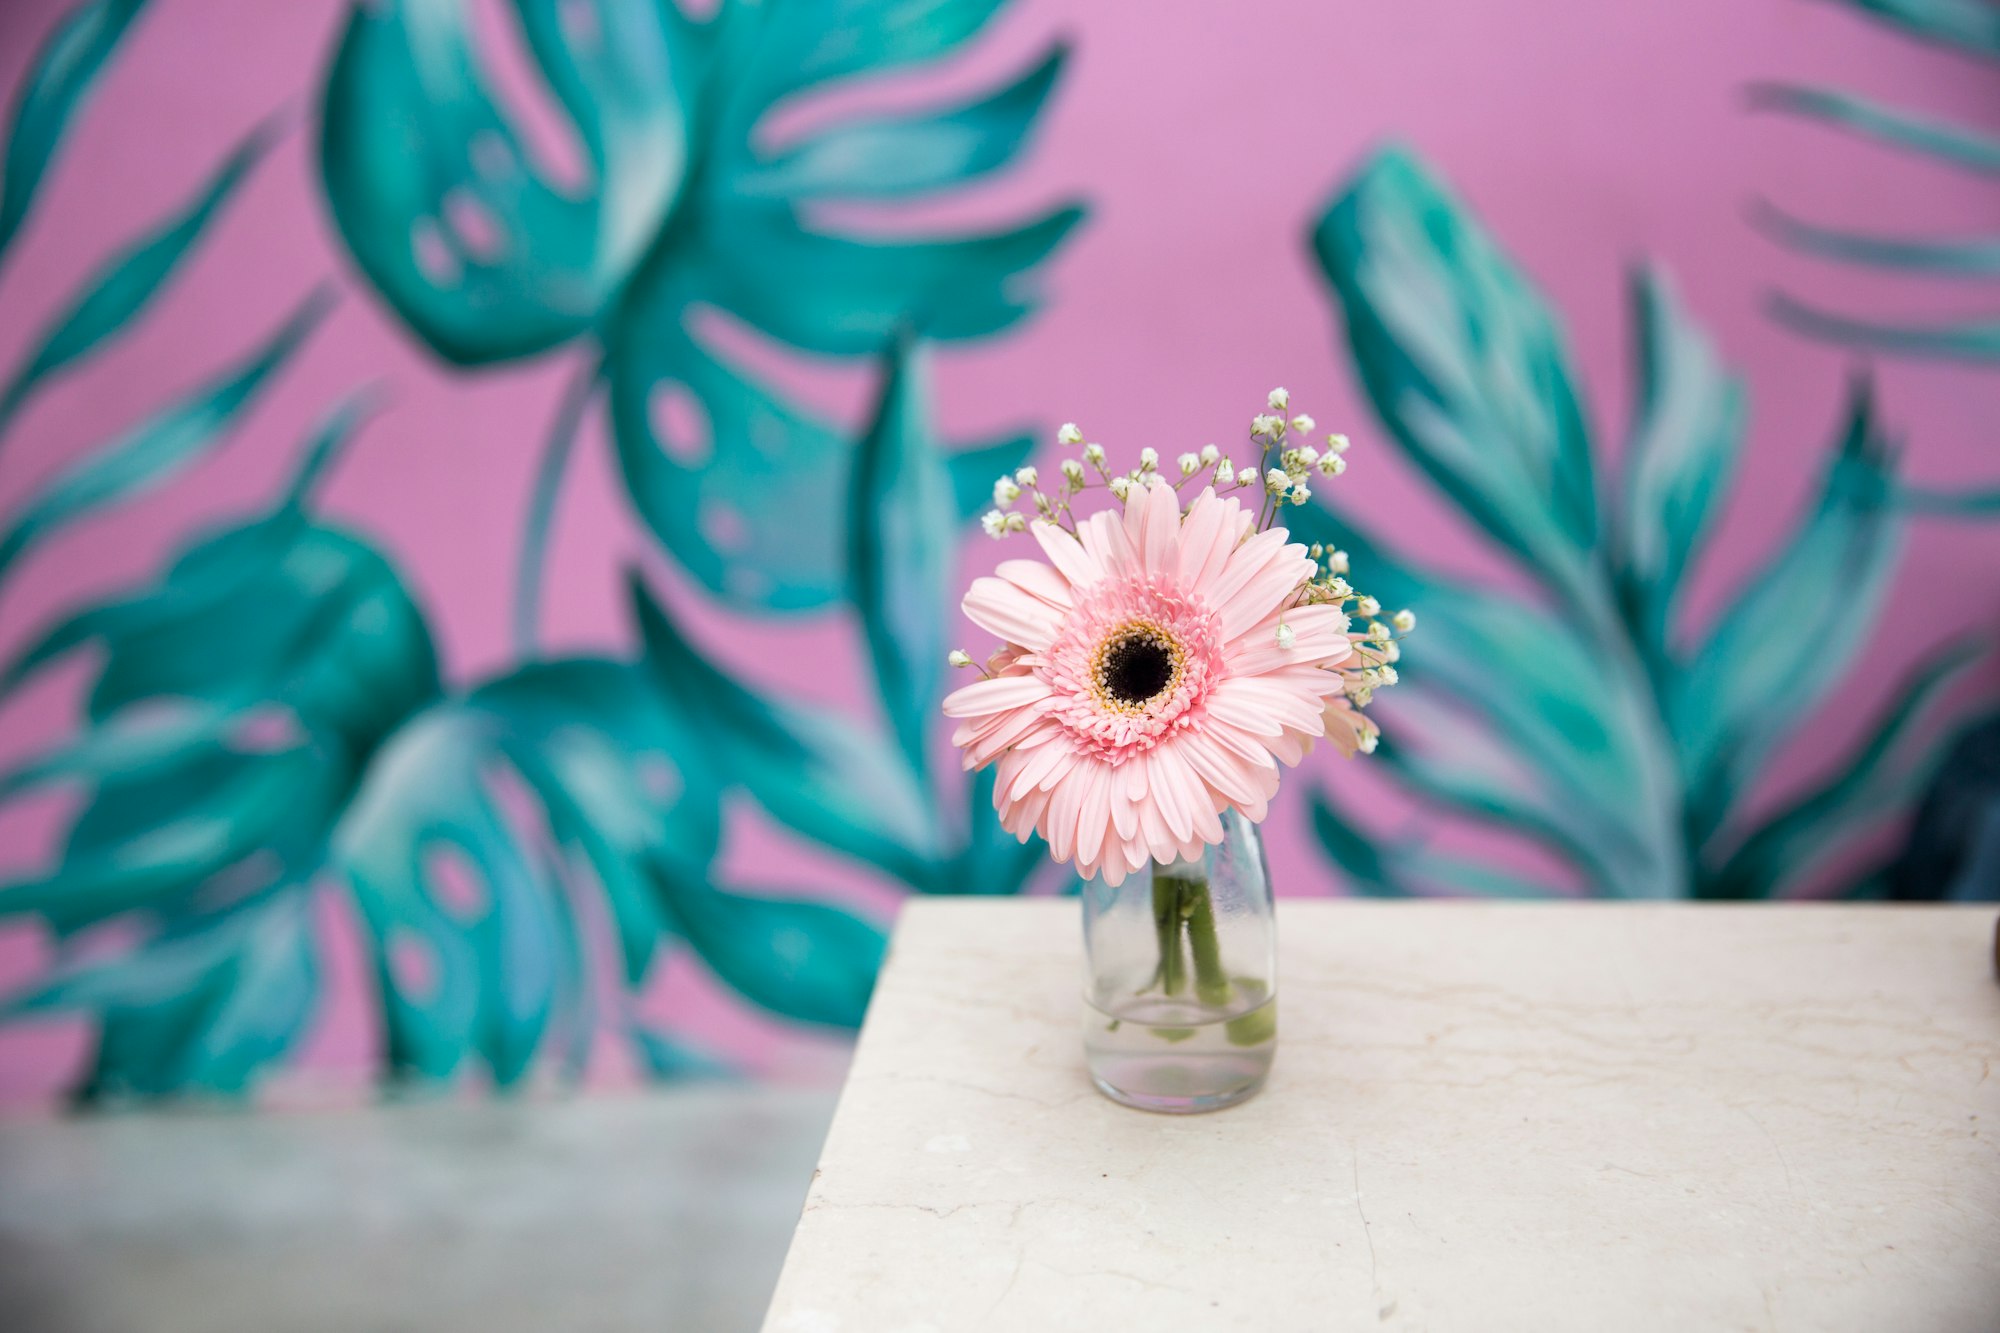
column 1169, row 652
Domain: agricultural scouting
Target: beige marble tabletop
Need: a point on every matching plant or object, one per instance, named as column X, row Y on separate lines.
column 1483, row 1117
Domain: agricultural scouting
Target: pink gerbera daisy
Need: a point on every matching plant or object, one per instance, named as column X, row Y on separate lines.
column 1156, row 672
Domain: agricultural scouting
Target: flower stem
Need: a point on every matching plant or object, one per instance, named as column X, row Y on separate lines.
column 1184, row 922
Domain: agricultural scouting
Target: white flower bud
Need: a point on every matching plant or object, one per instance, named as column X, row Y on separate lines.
column 1072, row 471
column 1339, row 588
column 1279, row 400
column 1368, row 737
column 1405, row 620
column 1189, row 462
column 1303, row 423
column 1368, row 606
column 1388, row 675
column 1016, row 523
column 1149, row 459
column 1301, row 493
column 1316, row 550
column 1267, row 427
column 1027, row 476
column 1094, row 453
column 1069, row 434
column 1337, row 561
column 1337, row 443
column 960, row 658
column 1209, row 454
column 1286, row 636
column 1121, row 486
column 1378, row 632
column 1005, row 492
column 1225, row 472
column 994, row 522
column 1276, row 482
column 1307, row 454
column 1332, row 465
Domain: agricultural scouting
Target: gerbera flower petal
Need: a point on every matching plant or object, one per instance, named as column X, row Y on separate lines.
column 995, row 695
column 1003, row 608
column 1066, row 553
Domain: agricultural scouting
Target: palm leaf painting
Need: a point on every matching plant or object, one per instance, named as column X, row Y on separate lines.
column 686, row 208
column 1966, row 26
column 1591, row 718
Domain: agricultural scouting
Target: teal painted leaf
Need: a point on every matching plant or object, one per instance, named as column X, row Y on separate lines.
column 1974, row 340
column 901, row 549
column 1406, row 871
column 1974, row 257
column 1464, row 363
column 791, row 45
column 1948, row 503
column 225, row 1025
column 887, row 157
column 796, row 957
column 744, row 507
column 328, row 441
column 1972, row 26
column 1785, row 639
column 812, row 770
column 1686, row 435
column 847, row 297
column 223, row 817
column 162, row 445
column 530, row 565
column 622, row 778
column 1547, row 690
column 973, row 472
column 64, row 74
column 122, row 289
column 1949, row 144
column 1868, row 789
column 463, row 911
column 670, row 1059
column 442, row 202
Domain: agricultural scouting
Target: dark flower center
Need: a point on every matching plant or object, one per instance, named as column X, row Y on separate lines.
column 1136, row 667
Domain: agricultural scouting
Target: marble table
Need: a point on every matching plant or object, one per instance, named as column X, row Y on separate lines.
column 1483, row 1117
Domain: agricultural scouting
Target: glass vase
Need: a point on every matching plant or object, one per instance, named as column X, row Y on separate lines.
column 1180, row 978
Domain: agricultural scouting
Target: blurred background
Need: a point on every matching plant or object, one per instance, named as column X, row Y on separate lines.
column 484, row 490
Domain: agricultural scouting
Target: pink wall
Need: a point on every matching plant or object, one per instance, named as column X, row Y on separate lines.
column 1584, row 134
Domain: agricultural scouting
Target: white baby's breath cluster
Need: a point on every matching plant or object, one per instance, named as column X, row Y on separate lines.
column 1287, row 466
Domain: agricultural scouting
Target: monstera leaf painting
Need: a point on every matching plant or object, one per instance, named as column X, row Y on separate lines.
column 475, row 832
column 685, row 205
column 1591, row 718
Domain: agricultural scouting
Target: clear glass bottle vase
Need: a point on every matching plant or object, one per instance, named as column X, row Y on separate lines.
column 1180, row 978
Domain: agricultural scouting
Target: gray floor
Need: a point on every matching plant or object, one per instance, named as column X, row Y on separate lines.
column 663, row 1211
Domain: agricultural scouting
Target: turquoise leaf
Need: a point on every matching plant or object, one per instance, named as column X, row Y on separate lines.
column 901, row 533
column 62, row 78
column 171, row 439
column 1469, row 370
column 814, row 772
column 804, row 959
column 122, row 289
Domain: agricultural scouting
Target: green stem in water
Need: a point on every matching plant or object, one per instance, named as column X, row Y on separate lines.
column 1211, row 983
column 1184, row 921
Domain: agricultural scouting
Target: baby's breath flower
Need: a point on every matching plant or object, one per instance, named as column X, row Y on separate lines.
column 1387, row 675
column 1369, row 738
column 1339, row 587
column 1368, row 606
column 1121, row 486
column 1069, row 434
column 1149, row 459
column 1393, row 651
column 1225, row 472
column 1072, row 471
column 1209, row 454
column 1276, row 482
column 1404, row 620
column 1301, row 493
column 1027, row 476
column 1094, row 453
column 1307, row 454
column 994, row 522
column 1361, row 692
column 1378, row 631
column 1016, row 523
column 1337, row 561
column 1286, row 636
column 1005, row 492
column 1303, row 423
column 1279, row 400
column 960, row 658
column 1332, row 465
column 1337, row 443
column 1267, row 427
column 1189, row 462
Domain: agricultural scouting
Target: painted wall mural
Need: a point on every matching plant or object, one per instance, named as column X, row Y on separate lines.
column 476, row 537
